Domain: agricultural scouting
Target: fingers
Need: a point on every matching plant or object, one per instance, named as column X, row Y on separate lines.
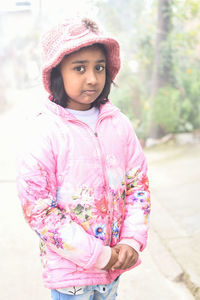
column 122, row 257
column 127, row 257
column 122, row 260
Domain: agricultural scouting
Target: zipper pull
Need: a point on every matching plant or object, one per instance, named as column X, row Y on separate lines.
column 96, row 134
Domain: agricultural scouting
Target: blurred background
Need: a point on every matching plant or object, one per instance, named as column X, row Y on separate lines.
column 158, row 88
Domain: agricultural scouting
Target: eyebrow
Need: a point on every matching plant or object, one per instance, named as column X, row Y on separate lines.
column 86, row 61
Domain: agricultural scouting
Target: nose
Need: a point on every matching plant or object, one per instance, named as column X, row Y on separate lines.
column 91, row 77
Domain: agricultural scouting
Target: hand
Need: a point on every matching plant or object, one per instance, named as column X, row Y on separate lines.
column 113, row 259
column 127, row 257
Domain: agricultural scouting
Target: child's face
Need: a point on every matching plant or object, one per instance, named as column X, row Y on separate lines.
column 84, row 76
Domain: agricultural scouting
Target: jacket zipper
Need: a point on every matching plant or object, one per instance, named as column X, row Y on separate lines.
column 110, row 210
column 106, row 184
column 105, row 177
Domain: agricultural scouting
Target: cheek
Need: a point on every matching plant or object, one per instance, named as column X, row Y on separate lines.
column 103, row 81
column 70, row 84
column 67, row 78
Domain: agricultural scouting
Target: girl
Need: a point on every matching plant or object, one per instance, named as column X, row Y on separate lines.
column 82, row 173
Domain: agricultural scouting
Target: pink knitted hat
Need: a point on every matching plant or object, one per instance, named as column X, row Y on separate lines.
column 69, row 37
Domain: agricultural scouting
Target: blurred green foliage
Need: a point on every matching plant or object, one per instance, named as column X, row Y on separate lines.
column 166, row 109
column 190, row 105
column 176, row 106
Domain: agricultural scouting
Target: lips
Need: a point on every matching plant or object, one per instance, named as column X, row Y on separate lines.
column 90, row 92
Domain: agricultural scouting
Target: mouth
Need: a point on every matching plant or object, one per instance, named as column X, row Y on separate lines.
column 90, row 92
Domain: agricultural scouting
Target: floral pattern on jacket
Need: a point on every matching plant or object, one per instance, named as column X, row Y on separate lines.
column 112, row 203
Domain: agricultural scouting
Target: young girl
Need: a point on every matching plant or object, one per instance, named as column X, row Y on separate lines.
column 82, row 173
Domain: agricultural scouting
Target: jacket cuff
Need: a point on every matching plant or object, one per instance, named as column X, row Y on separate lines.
column 132, row 243
column 103, row 258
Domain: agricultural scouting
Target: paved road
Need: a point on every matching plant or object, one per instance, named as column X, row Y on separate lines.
column 171, row 262
column 175, row 180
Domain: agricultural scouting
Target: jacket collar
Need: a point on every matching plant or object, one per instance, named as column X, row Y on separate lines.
column 106, row 110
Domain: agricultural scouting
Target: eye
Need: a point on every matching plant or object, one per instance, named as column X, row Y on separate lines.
column 80, row 69
column 100, row 68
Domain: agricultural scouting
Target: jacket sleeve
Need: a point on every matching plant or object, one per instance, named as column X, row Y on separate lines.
column 36, row 183
column 137, row 200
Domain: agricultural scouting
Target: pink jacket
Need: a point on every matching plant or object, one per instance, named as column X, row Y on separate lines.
column 82, row 191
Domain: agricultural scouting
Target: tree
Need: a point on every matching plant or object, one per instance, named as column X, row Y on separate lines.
column 163, row 65
column 162, row 74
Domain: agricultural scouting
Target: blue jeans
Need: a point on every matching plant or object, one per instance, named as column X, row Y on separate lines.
column 93, row 292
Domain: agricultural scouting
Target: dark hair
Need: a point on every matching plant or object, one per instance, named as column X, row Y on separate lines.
column 58, row 91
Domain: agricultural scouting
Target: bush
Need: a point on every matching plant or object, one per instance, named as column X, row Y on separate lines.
column 166, row 110
column 190, row 81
